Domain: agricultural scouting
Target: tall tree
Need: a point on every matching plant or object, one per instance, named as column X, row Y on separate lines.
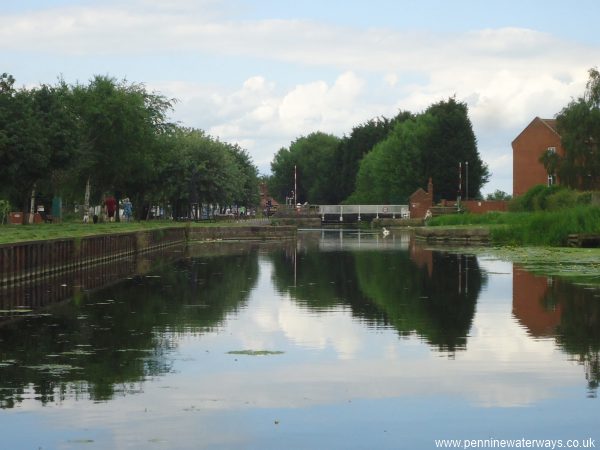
column 451, row 141
column 122, row 121
column 313, row 157
column 579, row 127
column 429, row 145
column 24, row 154
column 352, row 149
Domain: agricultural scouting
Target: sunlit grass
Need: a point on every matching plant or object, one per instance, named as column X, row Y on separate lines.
column 545, row 228
column 43, row 231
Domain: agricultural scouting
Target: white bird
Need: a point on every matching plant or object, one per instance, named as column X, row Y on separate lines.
column 385, row 231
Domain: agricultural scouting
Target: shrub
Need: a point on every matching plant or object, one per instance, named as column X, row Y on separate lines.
column 551, row 198
column 564, row 198
column 4, row 210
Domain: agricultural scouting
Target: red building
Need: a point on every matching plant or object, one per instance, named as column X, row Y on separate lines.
column 420, row 201
column 539, row 137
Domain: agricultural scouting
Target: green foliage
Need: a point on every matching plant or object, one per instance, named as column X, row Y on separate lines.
column 4, row 210
column 498, row 195
column 431, row 144
column 391, row 171
column 579, row 126
column 314, row 159
column 116, row 134
column 352, row 149
column 551, row 198
column 549, row 228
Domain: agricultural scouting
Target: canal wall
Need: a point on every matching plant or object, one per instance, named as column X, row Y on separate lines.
column 253, row 232
column 26, row 261
column 473, row 236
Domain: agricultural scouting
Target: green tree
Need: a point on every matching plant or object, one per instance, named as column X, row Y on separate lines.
column 198, row 169
column 390, row 172
column 579, row 127
column 24, row 154
column 313, row 157
column 451, row 141
column 62, row 135
column 429, row 145
column 352, row 149
column 498, row 195
column 121, row 125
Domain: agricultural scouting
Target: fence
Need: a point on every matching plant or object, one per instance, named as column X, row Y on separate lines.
column 394, row 211
column 25, row 261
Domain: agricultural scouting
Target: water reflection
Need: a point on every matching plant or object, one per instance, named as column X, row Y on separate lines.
column 386, row 282
column 355, row 323
column 104, row 343
column 552, row 308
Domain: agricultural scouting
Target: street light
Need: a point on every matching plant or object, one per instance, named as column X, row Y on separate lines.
column 466, row 180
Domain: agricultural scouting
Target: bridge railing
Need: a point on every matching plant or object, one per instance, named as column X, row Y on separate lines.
column 394, row 211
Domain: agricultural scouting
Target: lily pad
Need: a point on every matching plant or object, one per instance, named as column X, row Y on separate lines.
column 54, row 369
column 255, row 352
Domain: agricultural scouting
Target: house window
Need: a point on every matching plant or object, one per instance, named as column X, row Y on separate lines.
column 551, row 150
column 551, row 180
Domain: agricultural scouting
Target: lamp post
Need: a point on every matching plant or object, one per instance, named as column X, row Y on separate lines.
column 295, row 186
column 466, row 180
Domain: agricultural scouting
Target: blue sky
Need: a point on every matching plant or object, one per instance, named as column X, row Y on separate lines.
column 262, row 73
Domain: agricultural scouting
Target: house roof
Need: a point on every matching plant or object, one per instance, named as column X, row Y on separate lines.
column 550, row 123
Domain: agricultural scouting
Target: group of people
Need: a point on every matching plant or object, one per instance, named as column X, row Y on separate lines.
column 110, row 208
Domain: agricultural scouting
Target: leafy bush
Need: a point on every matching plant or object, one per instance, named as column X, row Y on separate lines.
column 549, row 198
column 4, row 210
column 548, row 227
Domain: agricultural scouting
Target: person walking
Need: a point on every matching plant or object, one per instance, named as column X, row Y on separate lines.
column 127, row 209
column 111, row 206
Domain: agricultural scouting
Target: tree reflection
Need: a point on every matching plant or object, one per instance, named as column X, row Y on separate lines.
column 551, row 307
column 579, row 330
column 431, row 294
column 111, row 340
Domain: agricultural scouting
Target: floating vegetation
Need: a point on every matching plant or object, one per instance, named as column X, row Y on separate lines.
column 255, row 352
column 13, row 311
column 77, row 352
column 7, row 363
column 574, row 264
column 54, row 369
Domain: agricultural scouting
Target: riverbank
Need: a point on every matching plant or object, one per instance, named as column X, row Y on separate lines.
column 539, row 228
column 27, row 260
column 46, row 231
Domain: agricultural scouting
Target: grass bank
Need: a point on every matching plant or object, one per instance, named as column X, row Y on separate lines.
column 43, row 231
column 540, row 228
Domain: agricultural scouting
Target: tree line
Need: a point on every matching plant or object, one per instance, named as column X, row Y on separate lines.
column 384, row 160
column 578, row 124
column 116, row 136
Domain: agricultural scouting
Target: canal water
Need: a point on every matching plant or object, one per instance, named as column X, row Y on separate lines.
column 341, row 339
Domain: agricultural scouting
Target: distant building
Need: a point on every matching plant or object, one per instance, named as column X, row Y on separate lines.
column 421, row 201
column 539, row 137
column 266, row 199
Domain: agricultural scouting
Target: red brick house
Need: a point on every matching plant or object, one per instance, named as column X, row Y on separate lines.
column 537, row 138
column 420, row 201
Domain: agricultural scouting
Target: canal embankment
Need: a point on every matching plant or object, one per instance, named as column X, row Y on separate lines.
column 454, row 236
column 21, row 262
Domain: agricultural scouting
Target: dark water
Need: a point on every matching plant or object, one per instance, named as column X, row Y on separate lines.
column 341, row 340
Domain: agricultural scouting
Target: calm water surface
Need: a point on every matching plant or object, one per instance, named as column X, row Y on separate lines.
column 340, row 340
